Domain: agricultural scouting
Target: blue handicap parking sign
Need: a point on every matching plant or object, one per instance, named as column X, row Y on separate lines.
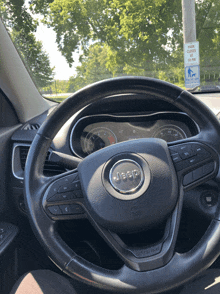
column 192, row 76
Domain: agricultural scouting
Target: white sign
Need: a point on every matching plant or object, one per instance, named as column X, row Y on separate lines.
column 192, row 76
column 191, row 54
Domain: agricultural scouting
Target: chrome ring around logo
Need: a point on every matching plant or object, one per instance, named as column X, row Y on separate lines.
column 126, row 176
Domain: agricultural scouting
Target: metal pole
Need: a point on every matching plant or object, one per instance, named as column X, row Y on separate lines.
column 191, row 47
column 189, row 21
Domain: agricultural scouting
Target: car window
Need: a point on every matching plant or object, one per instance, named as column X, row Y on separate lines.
column 69, row 44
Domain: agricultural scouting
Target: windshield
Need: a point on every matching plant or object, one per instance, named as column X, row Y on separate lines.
column 68, row 44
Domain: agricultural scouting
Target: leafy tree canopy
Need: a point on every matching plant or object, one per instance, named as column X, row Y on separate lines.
column 141, row 35
column 115, row 37
column 22, row 26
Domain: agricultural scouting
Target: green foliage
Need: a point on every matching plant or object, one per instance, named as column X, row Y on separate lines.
column 140, row 36
column 123, row 37
column 22, row 26
column 34, row 56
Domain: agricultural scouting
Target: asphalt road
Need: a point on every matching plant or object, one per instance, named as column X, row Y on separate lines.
column 212, row 100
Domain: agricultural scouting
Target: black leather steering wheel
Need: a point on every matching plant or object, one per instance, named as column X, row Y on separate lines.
column 125, row 188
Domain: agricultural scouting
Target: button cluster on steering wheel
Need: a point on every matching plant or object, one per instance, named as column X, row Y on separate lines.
column 188, row 154
column 62, row 195
column 194, row 157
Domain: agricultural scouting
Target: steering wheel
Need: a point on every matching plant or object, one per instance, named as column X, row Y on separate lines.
column 127, row 187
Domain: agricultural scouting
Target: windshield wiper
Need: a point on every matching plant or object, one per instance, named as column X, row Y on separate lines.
column 193, row 89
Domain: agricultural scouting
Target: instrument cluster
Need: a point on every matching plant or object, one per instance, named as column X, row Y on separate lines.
column 92, row 133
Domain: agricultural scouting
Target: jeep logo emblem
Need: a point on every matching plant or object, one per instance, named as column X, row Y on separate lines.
column 126, row 176
column 133, row 174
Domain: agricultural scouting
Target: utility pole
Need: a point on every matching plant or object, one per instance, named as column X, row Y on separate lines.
column 189, row 21
column 191, row 47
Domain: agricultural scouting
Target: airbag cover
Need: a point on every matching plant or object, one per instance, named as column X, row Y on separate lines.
column 145, row 206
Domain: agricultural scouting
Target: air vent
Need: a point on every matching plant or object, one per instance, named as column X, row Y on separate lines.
column 50, row 168
column 31, row 127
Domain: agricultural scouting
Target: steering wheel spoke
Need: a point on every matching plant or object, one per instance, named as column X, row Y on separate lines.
column 195, row 162
column 67, row 161
column 63, row 198
column 141, row 257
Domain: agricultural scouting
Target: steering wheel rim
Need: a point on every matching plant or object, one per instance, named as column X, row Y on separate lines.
column 181, row 267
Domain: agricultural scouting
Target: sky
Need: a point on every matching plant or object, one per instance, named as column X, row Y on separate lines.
column 48, row 38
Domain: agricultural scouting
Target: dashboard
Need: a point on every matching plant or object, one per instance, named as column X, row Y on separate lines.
column 92, row 133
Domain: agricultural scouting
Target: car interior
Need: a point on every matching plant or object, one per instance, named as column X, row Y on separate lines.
column 65, row 203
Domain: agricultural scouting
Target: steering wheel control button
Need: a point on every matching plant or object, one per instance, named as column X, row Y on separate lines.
column 61, row 197
column 71, row 209
column 176, row 157
column 53, row 189
column 198, row 173
column 62, row 185
column 78, row 194
column 70, row 187
column 188, row 154
column 188, row 179
column 126, row 176
column 76, row 186
column 200, row 151
column 208, row 168
column 76, row 209
column 65, row 209
column 55, row 210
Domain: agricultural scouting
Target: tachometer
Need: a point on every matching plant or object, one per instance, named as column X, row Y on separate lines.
column 170, row 133
column 98, row 138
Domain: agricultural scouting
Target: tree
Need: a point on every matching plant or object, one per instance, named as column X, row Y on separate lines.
column 92, row 69
column 143, row 36
column 136, row 29
column 22, row 26
column 35, row 57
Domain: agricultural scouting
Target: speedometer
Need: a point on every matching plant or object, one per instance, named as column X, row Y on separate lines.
column 98, row 138
column 170, row 133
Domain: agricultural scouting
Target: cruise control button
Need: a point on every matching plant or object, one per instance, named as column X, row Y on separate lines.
column 70, row 187
column 71, row 209
column 186, row 154
column 198, row 173
column 78, row 194
column 64, row 188
column 76, row 209
column 66, row 209
column 61, row 197
column 54, row 209
column 179, row 166
column 62, row 185
column 188, row 179
column 176, row 157
column 208, row 168
column 76, row 185
column 201, row 152
column 53, row 189
column 70, row 178
column 191, row 161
